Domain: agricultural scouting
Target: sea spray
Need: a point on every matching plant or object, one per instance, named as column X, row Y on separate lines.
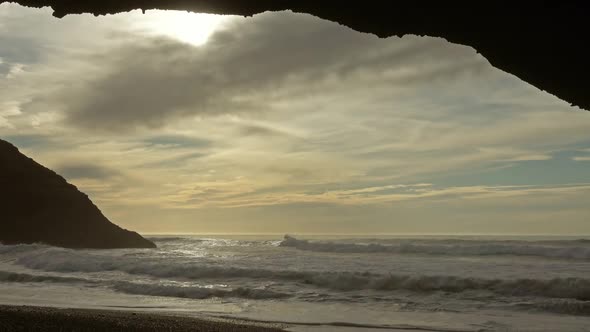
column 75, row 261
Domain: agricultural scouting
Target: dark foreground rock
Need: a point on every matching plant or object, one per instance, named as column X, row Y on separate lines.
column 38, row 205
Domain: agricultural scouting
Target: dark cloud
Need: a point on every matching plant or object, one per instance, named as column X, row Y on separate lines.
column 257, row 130
column 177, row 141
column 31, row 141
column 86, row 171
column 4, row 69
column 174, row 162
column 20, row 49
column 145, row 83
column 239, row 70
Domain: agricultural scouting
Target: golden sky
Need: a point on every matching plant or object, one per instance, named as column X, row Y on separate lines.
column 281, row 122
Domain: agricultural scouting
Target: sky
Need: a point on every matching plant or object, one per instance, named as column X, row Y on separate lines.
column 174, row 122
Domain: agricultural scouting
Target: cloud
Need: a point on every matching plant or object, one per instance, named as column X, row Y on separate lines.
column 156, row 80
column 173, row 162
column 4, row 123
column 233, row 197
column 305, row 121
column 75, row 171
column 18, row 51
column 530, row 157
column 259, row 130
column 176, row 141
column 31, row 141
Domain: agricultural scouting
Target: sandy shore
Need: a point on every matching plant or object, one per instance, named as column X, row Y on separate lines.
column 28, row 318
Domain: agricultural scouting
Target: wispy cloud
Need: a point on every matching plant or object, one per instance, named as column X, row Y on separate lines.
column 74, row 171
column 236, row 196
column 331, row 118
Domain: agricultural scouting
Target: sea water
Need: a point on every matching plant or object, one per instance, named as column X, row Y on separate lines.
column 322, row 283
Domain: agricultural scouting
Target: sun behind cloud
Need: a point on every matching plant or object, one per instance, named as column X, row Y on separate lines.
column 187, row 27
column 282, row 122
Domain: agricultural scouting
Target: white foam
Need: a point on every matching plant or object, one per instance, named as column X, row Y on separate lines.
column 6, row 276
column 170, row 239
column 74, row 261
column 567, row 250
column 561, row 306
column 192, row 292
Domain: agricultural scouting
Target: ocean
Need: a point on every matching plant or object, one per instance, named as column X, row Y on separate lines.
column 321, row 283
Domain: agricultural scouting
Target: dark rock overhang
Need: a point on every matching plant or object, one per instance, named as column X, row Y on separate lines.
column 543, row 43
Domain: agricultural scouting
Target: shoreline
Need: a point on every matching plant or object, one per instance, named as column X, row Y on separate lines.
column 34, row 318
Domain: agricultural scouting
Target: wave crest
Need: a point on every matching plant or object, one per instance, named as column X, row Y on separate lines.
column 71, row 261
column 6, row 276
column 460, row 248
column 20, row 248
column 196, row 292
column 568, row 307
column 168, row 239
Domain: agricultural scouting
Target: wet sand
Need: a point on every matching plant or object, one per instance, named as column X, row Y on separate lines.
column 29, row 318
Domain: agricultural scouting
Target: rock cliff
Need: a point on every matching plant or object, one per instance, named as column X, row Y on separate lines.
column 38, row 205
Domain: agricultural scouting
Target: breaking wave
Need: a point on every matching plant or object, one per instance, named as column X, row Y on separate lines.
column 569, row 307
column 24, row 277
column 460, row 248
column 196, row 292
column 150, row 289
column 20, row 248
column 73, row 261
column 169, row 239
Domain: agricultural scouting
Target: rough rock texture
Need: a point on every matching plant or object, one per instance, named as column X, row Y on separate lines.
column 37, row 205
column 542, row 42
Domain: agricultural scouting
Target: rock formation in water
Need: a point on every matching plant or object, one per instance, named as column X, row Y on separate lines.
column 38, row 205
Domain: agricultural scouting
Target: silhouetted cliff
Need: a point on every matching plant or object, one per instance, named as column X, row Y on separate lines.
column 38, row 205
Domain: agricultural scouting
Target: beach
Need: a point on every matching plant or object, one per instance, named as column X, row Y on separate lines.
column 32, row 318
column 316, row 283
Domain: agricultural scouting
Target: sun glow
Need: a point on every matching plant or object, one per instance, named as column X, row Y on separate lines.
column 191, row 28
